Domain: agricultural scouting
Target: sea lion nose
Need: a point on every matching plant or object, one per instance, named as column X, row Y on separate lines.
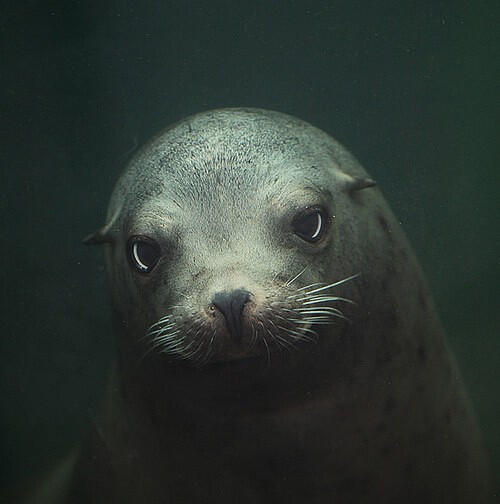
column 231, row 305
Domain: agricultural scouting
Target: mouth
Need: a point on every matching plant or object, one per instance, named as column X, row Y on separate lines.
column 233, row 352
column 279, row 325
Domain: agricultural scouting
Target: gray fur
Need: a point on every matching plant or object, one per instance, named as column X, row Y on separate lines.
column 371, row 410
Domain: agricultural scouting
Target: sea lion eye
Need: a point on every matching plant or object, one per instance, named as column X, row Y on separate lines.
column 310, row 224
column 143, row 253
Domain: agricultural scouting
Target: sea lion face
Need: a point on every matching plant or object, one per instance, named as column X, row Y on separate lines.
column 224, row 238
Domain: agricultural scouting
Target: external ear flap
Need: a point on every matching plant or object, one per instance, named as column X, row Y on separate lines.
column 98, row 237
column 352, row 184
column 360, row 183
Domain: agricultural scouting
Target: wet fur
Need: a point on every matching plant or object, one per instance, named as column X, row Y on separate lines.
column 364, row 410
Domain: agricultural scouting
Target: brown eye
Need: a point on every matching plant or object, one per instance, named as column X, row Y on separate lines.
column 143, row 253
column 310, row 224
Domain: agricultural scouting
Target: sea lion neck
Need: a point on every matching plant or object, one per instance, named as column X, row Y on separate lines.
column 247, row 385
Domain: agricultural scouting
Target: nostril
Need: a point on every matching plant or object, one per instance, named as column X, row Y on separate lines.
column 231, row 305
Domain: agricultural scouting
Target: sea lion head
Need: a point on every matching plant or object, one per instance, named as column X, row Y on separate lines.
column 235, row 234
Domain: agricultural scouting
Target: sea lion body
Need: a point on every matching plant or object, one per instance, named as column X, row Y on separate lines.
column 334, row 385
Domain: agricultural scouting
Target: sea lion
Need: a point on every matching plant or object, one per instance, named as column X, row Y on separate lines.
column 276, row 341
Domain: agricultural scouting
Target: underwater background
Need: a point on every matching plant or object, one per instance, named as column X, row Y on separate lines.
column 411, row 88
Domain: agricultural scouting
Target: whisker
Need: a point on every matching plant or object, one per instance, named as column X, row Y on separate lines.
column 161, row 321
column 323, row 299
column 285, row 343
column 268, row 351
column 159, row 331
column 306, row 287
column 207, row 355
column 290, row 282
column 253, row 340
column 297, row 335
column 329, row 286
column 148, row 351
column 318, row 309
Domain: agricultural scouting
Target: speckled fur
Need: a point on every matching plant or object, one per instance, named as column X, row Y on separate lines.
column 374, row 412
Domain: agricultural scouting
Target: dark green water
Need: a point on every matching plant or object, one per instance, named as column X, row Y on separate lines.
column 408, row 87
